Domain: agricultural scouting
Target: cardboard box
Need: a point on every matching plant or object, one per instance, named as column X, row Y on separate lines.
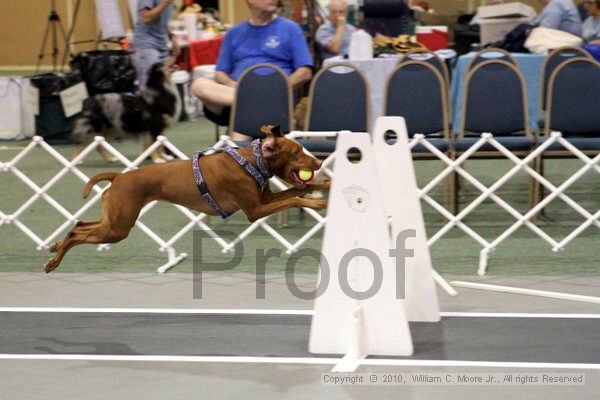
column 433, row 37
column 508, row 10
column 495, row 29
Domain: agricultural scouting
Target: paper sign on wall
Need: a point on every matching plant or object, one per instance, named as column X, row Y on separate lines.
column 33, row 97
column 72, row 99
column 109, row 16
column 133, row 10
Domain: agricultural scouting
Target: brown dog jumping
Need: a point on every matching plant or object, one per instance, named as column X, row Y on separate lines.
column 217, row 184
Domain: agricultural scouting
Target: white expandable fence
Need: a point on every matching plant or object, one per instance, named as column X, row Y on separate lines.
column 199, row 220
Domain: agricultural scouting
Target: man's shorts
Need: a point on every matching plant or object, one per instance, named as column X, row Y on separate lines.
column 221, row 119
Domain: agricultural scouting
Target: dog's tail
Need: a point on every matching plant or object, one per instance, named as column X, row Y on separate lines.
column 105, row 176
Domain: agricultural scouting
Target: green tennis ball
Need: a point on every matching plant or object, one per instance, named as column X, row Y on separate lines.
column 305, row 174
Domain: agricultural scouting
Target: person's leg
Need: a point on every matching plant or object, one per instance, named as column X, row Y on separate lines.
column 217, row 100
column 143, row 60
column 212, row 94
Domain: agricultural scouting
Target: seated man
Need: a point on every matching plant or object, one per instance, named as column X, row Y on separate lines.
column 264, row 38
column 334, row 35
column 561, row 15
column 591, row 26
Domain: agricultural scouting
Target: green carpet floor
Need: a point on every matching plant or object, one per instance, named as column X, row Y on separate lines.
column 522, row 254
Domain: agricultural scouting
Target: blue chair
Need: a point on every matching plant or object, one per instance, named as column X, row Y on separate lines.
column 430, row 57
column 263, row 96
column 495, row 101
column 436, row 61
column 416, row 91
column 571, row 106
column 491, row 53
column 338, row 100
column 553, row 60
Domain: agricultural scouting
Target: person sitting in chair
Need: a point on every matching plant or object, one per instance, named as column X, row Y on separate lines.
column 561, row 15
column 264, row 38
column 591, row 25
column 334, row 35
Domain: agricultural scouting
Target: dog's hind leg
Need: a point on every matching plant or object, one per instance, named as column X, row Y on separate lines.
column 80, row 227
column 119, row 213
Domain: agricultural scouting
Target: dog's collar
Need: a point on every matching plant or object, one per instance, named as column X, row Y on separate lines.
column 256, row 174
column 260, row 161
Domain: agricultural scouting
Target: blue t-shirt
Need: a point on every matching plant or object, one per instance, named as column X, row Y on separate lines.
column 156, row 34
column 280, row 43
column 561, row 15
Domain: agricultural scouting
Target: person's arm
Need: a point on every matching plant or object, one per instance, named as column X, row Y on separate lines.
column 224, row 79
column 301, row 58
column 551, row 16
column 335, row 44
column 300, row 76
column 225, row 65
column 595, row 41
column 149, row 15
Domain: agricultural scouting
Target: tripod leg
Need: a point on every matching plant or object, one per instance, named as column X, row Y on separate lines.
column 54, row 44
column 68, row 44
column 43, row 48
column 64, row 36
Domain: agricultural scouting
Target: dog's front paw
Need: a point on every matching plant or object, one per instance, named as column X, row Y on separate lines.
column 324, row 186
column 112, row 159
column 317, row 204
column 159, row 160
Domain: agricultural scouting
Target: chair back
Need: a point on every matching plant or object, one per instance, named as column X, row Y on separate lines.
column 572, row 104
column 495, row 99
column 553, row 60
column 431, row 58
column 491, row 53
column 415, row 91
column 338, row 100
column 263, row 96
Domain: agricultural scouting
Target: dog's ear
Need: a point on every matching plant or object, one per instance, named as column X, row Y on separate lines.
column 276, row 130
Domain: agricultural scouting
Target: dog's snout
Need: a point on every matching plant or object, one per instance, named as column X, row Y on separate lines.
column 318, row 163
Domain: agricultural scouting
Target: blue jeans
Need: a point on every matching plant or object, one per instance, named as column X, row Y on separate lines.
column 144, row 59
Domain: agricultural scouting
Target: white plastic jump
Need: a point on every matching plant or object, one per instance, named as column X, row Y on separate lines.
column 373, row 284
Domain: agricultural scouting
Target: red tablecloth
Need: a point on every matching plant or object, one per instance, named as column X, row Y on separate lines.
column 202, row 52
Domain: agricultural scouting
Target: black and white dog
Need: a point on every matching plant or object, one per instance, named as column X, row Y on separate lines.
column 144, row 114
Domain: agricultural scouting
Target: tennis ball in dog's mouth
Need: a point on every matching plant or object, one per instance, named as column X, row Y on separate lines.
column 305, row 174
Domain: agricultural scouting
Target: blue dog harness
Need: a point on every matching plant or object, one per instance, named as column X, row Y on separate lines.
column 260, row 175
